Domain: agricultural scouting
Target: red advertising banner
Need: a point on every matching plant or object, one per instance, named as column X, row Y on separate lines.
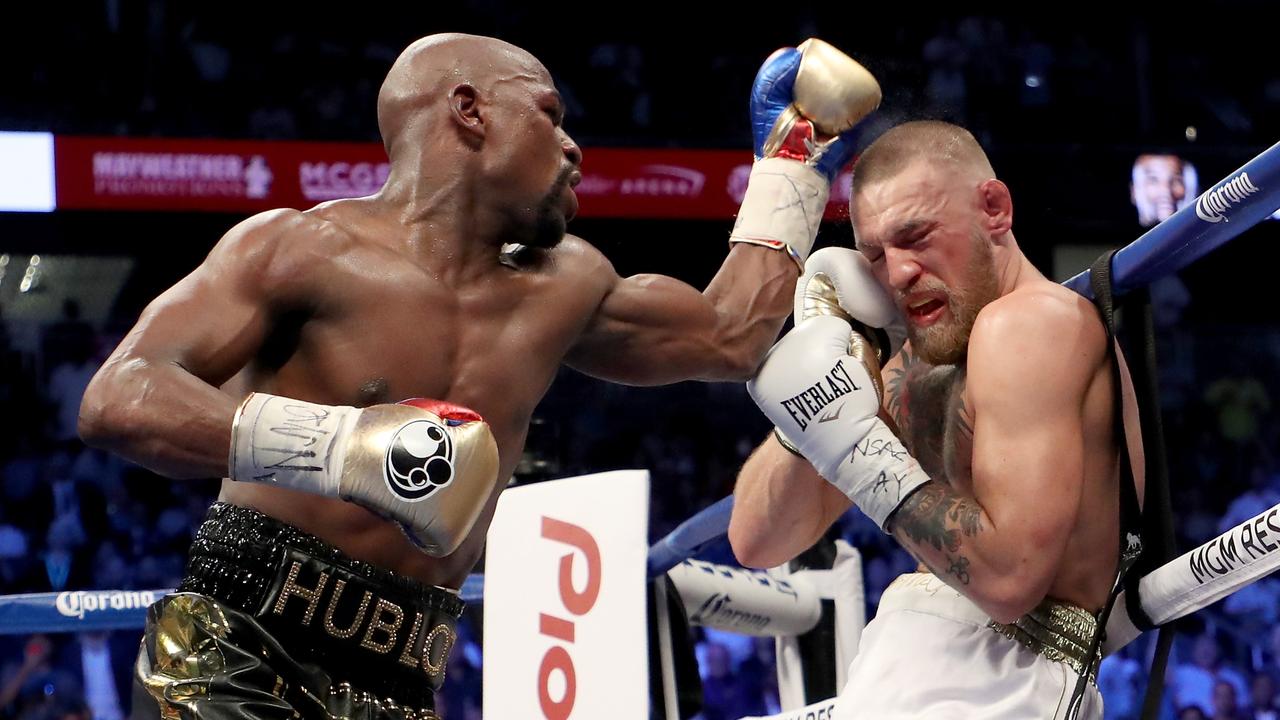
column 220, row 175
column 106, row 173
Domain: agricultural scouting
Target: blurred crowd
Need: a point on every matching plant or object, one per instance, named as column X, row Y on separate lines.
column 275, row 74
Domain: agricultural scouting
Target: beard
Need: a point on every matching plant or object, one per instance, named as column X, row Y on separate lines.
column 549, row 224
column 946, row 342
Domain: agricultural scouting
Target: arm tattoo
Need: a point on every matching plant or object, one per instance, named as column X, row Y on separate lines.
column 935, row 516
column 959, row 568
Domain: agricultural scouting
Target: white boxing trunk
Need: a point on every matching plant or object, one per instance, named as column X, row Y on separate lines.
column 931, row 653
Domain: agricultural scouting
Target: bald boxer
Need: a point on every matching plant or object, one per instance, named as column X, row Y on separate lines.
column 322, row 582
column 1001, row 475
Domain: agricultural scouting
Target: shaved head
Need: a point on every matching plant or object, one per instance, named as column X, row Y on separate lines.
column 940, row 144
column 416, row 89
column 474, row 126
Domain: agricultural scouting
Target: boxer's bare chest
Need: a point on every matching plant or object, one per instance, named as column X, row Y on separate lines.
column 493, row 345
column 931, row 406
column 368, row 325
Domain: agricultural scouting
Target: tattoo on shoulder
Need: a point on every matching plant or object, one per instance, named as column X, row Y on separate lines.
column 899, row 389
column 962, row 418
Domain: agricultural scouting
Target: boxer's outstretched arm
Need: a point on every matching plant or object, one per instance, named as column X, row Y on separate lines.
column 1030, row 364
column 654, row 330
column 156, row 400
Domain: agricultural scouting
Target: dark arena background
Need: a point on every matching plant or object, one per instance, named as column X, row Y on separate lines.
column 273, row 106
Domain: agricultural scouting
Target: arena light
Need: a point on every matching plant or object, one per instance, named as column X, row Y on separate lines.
column 26, row 172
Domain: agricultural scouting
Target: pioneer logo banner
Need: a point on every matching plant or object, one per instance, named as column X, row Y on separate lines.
column 564, row 600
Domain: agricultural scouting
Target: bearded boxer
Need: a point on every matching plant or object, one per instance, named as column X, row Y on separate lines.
column 1001, row 475
column 322, row 582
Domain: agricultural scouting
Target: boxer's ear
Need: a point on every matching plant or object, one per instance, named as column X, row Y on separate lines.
column 464, row 107
column 997, row 206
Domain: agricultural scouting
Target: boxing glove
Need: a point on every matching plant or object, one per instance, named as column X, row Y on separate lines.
column 426, row 464
column 805, row 103
column 820, row 384
column 839, row 281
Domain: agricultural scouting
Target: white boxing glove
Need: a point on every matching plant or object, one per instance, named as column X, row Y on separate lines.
column 820, row 385
column 839, row 281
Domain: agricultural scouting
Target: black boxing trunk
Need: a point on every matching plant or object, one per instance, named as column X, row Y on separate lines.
column 273, row 622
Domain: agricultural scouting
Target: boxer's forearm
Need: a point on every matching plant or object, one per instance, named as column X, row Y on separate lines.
column 160, row 416
column 781, row 507
column 752, row 295
column 954, row 536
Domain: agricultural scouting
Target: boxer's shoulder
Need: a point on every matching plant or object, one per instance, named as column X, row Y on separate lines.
column 1037, row 309
column 576, row 254
column 583, row 263
column 282, row 251
column 286, row 231
column 1040, row 320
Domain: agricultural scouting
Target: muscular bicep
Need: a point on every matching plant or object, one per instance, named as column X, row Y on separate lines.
column 213, row 321
column 1027, row 379
column 652, row 329
column 1028, row 470
column 204, row 323
column 156, row 400
column 649, row 329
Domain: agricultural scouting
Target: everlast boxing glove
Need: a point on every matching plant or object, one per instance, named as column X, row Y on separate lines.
column 820, row 384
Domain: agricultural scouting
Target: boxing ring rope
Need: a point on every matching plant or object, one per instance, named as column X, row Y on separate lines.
column 1196, row 579
column 1236, row 203
column 690, row 537
column 85, row 610
column 1202, row 576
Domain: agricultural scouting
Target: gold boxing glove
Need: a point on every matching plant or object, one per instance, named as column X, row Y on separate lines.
column 428, row 465
column 805, row 105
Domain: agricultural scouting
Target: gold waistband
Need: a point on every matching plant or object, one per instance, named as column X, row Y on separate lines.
column 1056, row 630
